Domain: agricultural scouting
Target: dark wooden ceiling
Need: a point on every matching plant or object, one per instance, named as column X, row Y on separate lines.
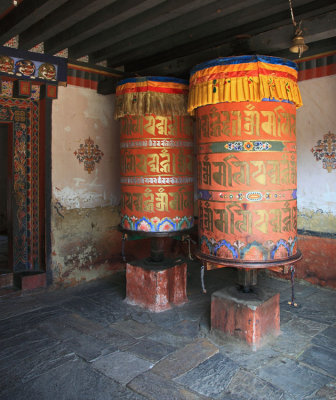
column 167, row 37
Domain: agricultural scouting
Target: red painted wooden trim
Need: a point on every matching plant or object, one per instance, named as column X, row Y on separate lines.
column 86, row 83
column 42, row 177
column 317, row 72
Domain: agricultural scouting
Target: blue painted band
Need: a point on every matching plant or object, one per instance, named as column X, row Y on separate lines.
column 244, row 60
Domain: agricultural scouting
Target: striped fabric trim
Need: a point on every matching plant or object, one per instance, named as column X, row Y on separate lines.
column 317, row 67
column 86, row 77
column 152, row 84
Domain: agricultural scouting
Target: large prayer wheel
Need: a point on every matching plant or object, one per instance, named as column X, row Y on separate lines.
column 245, row 110
column 156, row 143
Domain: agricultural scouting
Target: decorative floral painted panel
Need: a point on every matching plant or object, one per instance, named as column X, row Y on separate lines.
column 90, row 154
column 325, row 151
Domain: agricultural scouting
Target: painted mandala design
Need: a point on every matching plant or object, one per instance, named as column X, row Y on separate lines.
column 325, row 151
column 90, row 154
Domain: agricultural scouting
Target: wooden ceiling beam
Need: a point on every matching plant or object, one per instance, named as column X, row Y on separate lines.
column 25, row 15
column 168, row 52
column 81, row 35
column 62, row 18
column 161, row 13
column 5, row 7
column 276, row 42
column 179, row 31
column 181, row 28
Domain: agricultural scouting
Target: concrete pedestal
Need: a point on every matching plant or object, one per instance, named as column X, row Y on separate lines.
column 156, row 288
column 250, row 317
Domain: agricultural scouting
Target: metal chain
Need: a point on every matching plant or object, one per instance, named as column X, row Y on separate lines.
column 292, row 12
column 292, row 271
column 123, row 247
column 202, row 279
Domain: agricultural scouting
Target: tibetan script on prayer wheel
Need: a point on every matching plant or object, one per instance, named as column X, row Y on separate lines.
column 157, row 167
column 246, row 166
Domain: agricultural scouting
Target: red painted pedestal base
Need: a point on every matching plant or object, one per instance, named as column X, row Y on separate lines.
column 30, row 280
column 156, row 289
column 248, row 316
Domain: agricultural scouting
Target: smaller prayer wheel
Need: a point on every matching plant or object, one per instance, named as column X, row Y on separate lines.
column 156, row 142
column 245, row 112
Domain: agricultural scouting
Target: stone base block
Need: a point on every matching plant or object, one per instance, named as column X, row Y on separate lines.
column 156, row 289
column 250, row 317
column 30, row 280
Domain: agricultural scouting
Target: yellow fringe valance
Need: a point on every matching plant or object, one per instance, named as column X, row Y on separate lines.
column 142, row 103
column 243, row 88
column 243, row 78
column 151, row 95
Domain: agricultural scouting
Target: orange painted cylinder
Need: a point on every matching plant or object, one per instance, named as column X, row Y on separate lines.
column 246, row 161
column 156, row 158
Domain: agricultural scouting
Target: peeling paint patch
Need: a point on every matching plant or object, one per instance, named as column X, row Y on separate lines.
column 316, row 220
column 82, row 198
column 86, row 244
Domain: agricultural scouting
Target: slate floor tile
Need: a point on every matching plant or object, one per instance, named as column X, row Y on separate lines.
column 92, row 310
column 247, row 386
column 83, row 345
column 94, row 329
column 245, row 357
column 326, row 338
column 285, row 316
column 167, row 318
column 211, row 377
column 150, row 350
column 186, row 358
column 186, row 328
column 304, row 327
column 25, row 369
column 28, row 321
column 290, row 342
column 320, row 357
column 121, row 366
column 316, row 309
column 74, row 380
column 164, row 336
column 327, row 392
column 155, row 387
column 292, row 377
column 24, row 345
column 134, row 328
column 137, row 314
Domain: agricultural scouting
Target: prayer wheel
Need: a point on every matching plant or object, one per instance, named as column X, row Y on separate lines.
column 245, row 112
column 156, row 143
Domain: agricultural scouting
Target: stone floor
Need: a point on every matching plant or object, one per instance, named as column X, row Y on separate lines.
column 86, row 343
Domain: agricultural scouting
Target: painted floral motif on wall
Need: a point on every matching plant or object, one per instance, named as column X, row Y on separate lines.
column 325, row 151
column 89, row 154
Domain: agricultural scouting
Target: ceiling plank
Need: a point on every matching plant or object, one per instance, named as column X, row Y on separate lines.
column 159, row 14
column 5, row 7
column 256, row 26
column 273, row 42
column 83, row 33
column 189, row 28
column 60, row 19
column 25, row 15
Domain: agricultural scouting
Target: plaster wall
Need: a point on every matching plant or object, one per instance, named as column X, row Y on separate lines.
column 316, row 186
column 85, row 242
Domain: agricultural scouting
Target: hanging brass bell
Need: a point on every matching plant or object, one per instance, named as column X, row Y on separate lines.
column 298, row 45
